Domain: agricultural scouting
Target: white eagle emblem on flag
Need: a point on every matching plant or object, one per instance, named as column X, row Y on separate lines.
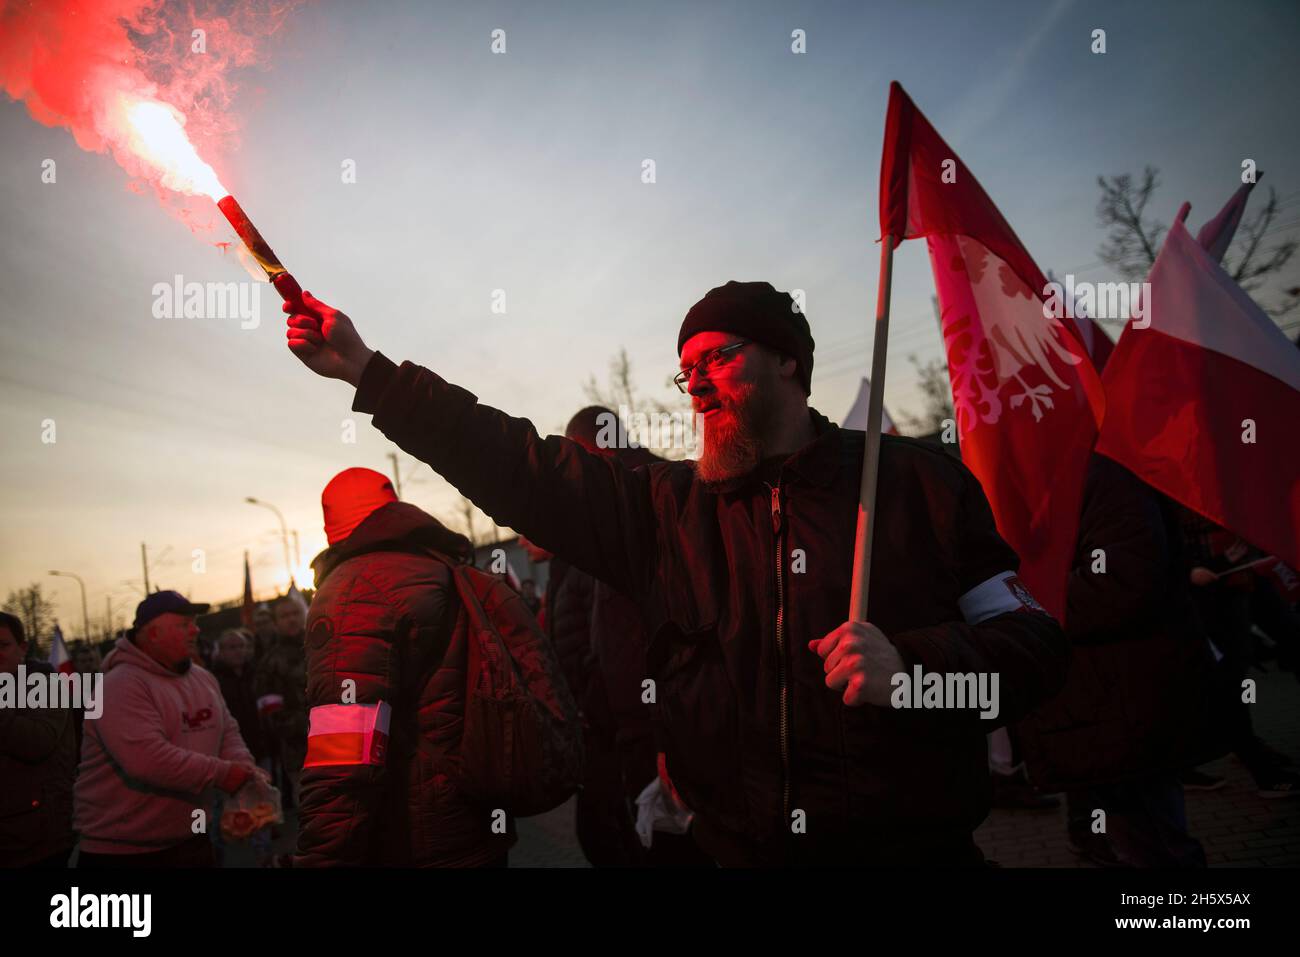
column 996, row 332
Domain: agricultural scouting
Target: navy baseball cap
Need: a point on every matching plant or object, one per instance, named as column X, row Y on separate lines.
column 162, row 603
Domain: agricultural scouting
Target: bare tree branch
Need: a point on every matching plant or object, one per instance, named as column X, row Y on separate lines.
column 1288, row 304
column 937, row 390
column 1133, row 241
column 35, row 611
column 620, row 395
column 1248, row 273
column 1131, row 244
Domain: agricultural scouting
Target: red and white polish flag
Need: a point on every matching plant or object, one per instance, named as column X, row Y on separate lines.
column 348, row 734
column 1204, row 402
column 60, row 660
column 1027, row 398
column 1216, row 236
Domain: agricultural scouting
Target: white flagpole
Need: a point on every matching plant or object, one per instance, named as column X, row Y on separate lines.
column 871, row 455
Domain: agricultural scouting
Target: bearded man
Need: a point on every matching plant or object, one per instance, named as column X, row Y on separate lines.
column 780, row 725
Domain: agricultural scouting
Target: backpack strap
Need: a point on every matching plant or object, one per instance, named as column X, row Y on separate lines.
column 422, row 744
column 471, row 617
column 462, row 574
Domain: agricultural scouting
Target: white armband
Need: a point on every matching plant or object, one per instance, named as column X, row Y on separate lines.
column 1002, row 593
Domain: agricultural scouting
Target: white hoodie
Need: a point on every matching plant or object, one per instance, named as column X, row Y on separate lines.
column 150, row 760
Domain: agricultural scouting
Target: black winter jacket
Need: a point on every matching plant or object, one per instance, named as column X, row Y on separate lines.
column 734, row 581
column 1136, row 701
column 569, row 597
column 38, row 761
column 615, row 702
column 384, row 615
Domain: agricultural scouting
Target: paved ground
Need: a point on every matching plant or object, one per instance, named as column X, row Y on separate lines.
column 1237, row 827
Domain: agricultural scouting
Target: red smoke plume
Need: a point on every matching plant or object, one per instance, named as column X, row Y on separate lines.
column 105, row 69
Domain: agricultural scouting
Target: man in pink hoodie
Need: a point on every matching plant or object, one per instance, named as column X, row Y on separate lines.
column 164, row 739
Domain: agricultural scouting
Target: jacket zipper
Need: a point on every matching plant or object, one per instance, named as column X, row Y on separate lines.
column 781, row 676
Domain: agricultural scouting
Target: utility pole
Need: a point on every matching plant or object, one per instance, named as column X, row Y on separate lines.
column 144, row 563
column 397, row 478
column 297, row 555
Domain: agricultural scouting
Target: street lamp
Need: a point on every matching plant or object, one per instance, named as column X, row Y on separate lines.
column 284, row 532
column 85, row 618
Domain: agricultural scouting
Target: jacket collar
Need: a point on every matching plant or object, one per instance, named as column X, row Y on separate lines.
column 395, row 527
column 817, row 463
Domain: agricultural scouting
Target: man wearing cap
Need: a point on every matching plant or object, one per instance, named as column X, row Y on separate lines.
column 386, row 686
column 165, row 738
column 781, row 724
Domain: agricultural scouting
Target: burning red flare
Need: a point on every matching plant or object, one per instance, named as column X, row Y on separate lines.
column 155, row 133
column 126, row 76
column 157, row 137
column 142, row 80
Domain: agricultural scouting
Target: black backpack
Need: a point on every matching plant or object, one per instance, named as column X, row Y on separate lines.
column 521, row 746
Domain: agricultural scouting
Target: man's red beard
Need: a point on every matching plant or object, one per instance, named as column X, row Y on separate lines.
column 733, row 436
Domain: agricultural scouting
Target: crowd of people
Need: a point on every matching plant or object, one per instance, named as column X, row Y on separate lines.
column 187, row 718
column 689, row 672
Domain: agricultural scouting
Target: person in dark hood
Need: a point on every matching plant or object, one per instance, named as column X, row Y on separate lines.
column 280, row 681
column 386, row 672
column 784, row 729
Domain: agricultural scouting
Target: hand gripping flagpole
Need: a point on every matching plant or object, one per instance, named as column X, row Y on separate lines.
column 871, row 455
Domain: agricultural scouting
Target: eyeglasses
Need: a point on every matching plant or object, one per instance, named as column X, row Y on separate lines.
column 718, row 356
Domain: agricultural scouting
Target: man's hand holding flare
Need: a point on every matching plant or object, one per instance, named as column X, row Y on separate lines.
column 326, row 341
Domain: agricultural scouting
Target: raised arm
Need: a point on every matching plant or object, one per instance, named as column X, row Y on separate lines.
column 583, row 507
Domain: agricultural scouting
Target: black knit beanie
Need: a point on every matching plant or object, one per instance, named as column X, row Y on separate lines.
column 759, row 313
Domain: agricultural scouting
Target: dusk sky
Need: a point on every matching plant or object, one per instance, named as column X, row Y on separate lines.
column 523, row 172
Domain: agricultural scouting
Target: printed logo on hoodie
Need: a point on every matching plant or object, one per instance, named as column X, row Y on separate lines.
column 198, row 720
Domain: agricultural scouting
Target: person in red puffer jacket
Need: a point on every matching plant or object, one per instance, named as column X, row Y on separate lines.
column 386, row 687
